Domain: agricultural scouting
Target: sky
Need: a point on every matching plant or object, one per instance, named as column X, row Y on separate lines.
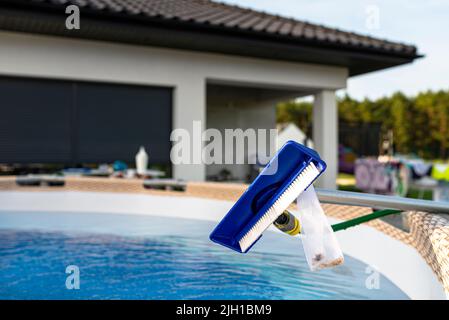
column 424, row 24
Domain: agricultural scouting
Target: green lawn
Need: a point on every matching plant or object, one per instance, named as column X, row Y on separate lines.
column 413, row 193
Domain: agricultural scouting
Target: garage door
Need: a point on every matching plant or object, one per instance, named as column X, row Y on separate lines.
column 45, row 121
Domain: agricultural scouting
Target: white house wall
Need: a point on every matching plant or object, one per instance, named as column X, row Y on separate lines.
column 187, row 72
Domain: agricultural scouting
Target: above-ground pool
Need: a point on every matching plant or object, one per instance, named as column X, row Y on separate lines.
column 153, row 257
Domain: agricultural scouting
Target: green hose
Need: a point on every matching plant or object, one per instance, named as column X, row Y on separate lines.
column 359, row 220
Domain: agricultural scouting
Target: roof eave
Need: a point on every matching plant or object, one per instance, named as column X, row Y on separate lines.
column 199, row 37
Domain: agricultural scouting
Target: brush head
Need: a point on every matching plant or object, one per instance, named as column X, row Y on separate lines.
column 289, row 173
column 299, row 184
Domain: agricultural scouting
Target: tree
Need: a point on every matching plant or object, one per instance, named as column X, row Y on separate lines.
column 299, row 113
column 420, row 124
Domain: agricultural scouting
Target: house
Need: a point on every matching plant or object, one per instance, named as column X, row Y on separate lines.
column 135, row 70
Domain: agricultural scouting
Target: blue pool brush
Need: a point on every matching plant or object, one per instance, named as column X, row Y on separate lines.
column 289, row 173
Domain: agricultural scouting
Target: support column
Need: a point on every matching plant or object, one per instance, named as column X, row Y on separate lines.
column 189, row 112
column 325, row 136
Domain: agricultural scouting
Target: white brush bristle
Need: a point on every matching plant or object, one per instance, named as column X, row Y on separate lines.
column 304, row 179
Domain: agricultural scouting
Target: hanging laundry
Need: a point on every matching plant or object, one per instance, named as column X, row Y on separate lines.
column 362, row 173
column 419, row 168
column 396, row 175
column 374, row 176
column 440, row 171
column 381, row 178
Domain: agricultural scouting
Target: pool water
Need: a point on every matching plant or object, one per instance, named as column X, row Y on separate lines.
column 150, row 257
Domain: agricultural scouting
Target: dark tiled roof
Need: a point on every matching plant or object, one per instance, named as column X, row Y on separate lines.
column 226, row 17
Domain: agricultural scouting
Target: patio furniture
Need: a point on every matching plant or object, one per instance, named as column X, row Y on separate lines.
column 40, row 180
column 28, row 181
column 165, row 184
